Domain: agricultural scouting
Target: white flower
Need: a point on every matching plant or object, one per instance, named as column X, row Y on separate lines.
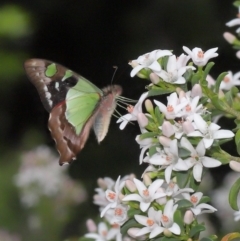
column 171, row 160
column 197, row 159
column 102, row 233
column 133, row 112
column 198, row 208
column 230, row 80
column 146, row 195
column 152, row 223
column 173, row 108
column 148, row 60
column 113, row 197
column 199, row 57
column 167, row 218
column 176, row 67
column 117, row 215
column 209, row 132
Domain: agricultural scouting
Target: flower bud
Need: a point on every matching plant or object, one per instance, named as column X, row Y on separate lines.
column 101, row 183
column 235, row 166
column 132, row 232
column 164, row 141
column 91, row 226
column 167, row 129
column 238, row 54
column 196, row 90
column 146, row 179
column 154, row 78
column 149, row 106
column 221, row 95
column 187, row 127
column 188, row 217
column 167, row 233
column 133, row 63
column 230, row 38
column 130, row 185
column 142, row 120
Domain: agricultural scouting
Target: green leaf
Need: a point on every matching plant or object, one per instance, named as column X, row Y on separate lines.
column 193, row 183
column 152, row 150
column 154, row 92
column 207, row 69
column 86, row 239
column 233, row 195
column 159, row 116
column 178, row 218
column 182, row 178
column 219, row 80
column 237, row 141
column 131, row 212
column 129, row 224
column 147, row 135
column 205, row 199
column 196, row 230
column 184, row 204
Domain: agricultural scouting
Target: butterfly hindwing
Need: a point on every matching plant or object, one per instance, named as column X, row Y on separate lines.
column 74, row 103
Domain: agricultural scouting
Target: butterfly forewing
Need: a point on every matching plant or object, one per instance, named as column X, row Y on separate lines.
column 74, row 103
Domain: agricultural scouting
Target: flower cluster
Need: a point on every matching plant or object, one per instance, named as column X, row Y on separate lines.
column 179, row 141
column 39, row 177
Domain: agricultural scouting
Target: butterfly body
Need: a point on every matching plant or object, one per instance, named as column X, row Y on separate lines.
column 74, row 103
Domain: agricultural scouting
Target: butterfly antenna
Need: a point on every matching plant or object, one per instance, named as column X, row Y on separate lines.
column 116, row 68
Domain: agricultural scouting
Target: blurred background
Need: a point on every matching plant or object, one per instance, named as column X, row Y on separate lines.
column 40, row 200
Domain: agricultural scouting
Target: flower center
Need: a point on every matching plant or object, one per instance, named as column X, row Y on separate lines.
column 194, row 199
column 115, row 225
column 104, row 233
column 150, row 222
column 165, row 219
column 188, row 108
column 226, row 79
column 112, row 195
column 168, row 158
column 200, row 54
column 146, row 192
column 130, row 108
column 170, row 108
column 118, row 211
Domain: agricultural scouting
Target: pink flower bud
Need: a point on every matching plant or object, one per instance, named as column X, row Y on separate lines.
column 91, row 226
column 101, row 183
column 154, row 78
column 130, row 185
column 164, row 141
column 142, row 120
column 146, row 179
column 196, row 90
column 230, row 38
column 188, row 217
column 235, row 166
column 167, row 129
column 187, row 127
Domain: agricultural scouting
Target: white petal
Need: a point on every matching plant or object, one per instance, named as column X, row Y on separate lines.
column 220, row 134
column 197, row 172
column 141, row 219
column 143, row 231
column 154, row 186
column 136, row 70
column 144, row 206
column 233, row 22
column 210, row 162
column 207, row 142
column 175, row 229
column 156, row 231
column 132, row 197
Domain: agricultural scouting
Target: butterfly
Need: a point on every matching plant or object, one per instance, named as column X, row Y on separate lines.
column 74, row 103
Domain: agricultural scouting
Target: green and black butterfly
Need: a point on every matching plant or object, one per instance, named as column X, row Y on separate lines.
column 74, row 103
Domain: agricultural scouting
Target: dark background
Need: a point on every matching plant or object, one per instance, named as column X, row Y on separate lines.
column 91, row 37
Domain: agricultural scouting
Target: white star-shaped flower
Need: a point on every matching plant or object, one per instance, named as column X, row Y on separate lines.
column 209, row 132
column 146, row 195
column 198, row 208
column 149, row 61
column 199, row 57
column 152, row 223
column 133, row 112
column 197, row 158
column 173, row 108
column 175, row 70
column 230, row 80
